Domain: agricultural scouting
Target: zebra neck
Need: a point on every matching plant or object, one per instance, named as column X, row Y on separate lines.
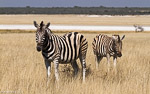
column 111, row 48
column 46, row 43
column 49, row 46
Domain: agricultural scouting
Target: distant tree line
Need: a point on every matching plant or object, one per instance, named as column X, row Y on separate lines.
column 76, row 10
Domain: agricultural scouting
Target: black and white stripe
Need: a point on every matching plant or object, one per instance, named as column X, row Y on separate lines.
column 61, row 49
column 105, row 46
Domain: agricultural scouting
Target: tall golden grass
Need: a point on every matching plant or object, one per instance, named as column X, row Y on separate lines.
column 22, row 70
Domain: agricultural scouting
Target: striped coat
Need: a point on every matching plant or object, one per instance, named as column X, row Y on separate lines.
column 105, row 46
column 66, row 48
column 61, row 49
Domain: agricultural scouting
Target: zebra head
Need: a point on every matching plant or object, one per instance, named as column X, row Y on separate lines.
column 41, row 33
column 118, row 44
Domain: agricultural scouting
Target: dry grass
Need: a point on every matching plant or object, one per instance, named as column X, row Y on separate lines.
column 22, row 69
column 66, row 31
column 75, row 19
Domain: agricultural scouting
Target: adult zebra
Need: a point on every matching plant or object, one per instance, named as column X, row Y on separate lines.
column 138, row 28
column 61, row 49
column 105, row 46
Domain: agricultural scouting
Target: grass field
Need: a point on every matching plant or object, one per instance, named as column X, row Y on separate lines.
column 22, row 70
column 76, row 19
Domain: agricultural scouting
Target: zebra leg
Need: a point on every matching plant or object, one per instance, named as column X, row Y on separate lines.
column 108, row 62
column 56, row 65
column 115, row 63
column 48, row 68
column 97, row 60
column 83, row 63
column 75, row 67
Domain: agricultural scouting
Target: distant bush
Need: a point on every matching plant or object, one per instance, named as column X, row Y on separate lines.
column 76, row 10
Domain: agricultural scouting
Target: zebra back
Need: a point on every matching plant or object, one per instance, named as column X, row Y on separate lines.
column 102, row 45
column 78, row 44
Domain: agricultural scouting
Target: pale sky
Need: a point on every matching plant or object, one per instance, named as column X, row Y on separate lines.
column 71, row 3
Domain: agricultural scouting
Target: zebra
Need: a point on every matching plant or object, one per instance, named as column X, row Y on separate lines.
column 138, row 28
column 105, row 46
column 61, row 49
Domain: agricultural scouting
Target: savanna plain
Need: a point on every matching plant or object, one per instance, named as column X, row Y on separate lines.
column 22, row 68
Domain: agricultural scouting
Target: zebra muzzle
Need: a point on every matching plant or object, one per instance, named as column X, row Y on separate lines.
column 38, row 48
column 119, row 54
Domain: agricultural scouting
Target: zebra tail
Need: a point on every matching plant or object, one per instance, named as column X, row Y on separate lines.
column 84, row 45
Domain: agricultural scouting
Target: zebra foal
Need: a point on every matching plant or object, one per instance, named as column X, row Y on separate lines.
column 105, row 46
column 61, row 49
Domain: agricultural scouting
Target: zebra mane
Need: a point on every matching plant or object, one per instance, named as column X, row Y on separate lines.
column 49, row 31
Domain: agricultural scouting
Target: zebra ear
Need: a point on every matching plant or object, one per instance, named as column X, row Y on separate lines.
column 118, row 38
column 114, row 38
column 123, row 37
column 42, row 24
column 48, row 24
column 35, row 24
